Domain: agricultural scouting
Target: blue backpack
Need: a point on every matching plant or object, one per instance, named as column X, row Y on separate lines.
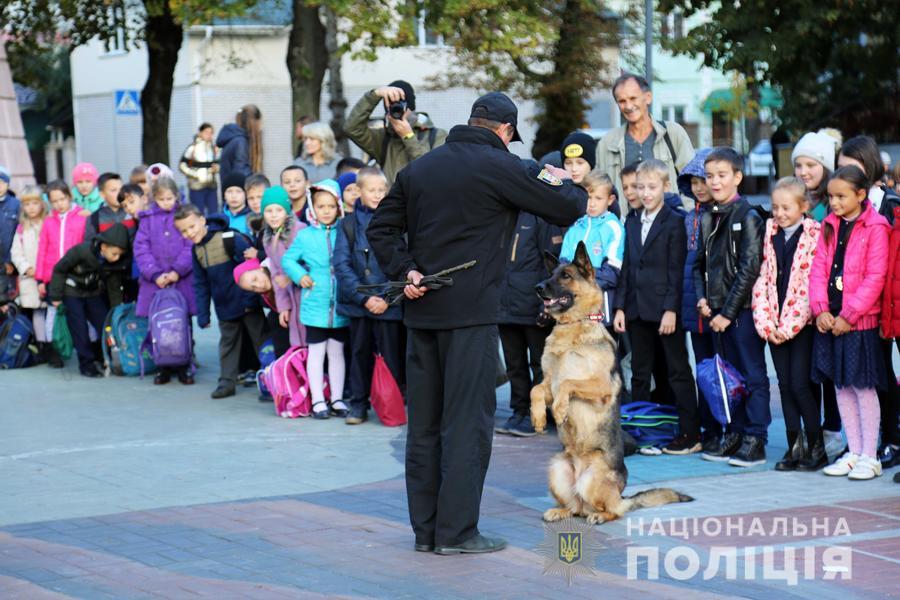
column 169, row 338
column 124, row 333
column 650, row 424
column 16, row 334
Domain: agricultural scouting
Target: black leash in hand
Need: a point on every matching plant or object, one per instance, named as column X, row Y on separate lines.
column 392, row 291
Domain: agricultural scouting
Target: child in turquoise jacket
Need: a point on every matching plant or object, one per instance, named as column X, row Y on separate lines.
column 309, row 264
column 602, row 234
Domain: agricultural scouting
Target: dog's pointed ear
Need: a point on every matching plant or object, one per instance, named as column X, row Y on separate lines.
column 583, row 262
column 551, row 261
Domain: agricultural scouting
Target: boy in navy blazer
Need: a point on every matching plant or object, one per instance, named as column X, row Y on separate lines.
column 649, row 300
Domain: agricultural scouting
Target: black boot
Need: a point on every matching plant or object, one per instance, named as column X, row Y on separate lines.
column 54, row 360
column 794, row 453
column 815, row 457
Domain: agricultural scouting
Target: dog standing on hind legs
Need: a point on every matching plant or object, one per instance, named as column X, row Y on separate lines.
column 582, row 387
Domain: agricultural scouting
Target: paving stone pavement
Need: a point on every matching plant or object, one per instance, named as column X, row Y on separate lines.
column 119, row 489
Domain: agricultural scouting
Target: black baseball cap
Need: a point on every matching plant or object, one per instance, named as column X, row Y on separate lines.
column 496, row 106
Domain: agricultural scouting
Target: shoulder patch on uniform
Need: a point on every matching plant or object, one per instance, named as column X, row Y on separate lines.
column 549, row 178
column 227, row 234
column 556, row 239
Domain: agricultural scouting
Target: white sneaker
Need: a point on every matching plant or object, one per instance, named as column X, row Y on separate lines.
column 834, row 444
column 842, row 466
column 865, row 468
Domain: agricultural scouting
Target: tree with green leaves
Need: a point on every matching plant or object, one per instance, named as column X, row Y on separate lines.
column 34, row 25
column 835, row 61
column 552, row 53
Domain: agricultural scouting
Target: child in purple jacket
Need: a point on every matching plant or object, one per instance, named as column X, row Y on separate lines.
column 163, row 258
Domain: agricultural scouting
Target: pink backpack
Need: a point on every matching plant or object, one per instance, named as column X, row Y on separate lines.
column 287, row 381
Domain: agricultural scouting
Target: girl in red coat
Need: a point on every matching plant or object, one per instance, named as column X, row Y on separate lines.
column 846, row 283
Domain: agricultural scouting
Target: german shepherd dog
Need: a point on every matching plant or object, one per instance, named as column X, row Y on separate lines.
column 582, row 387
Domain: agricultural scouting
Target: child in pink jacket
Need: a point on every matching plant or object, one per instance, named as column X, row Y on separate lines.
column 846, row 283
column 62, row 230
column 782, row 317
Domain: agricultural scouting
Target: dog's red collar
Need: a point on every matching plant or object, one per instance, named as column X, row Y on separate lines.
column 595, row 317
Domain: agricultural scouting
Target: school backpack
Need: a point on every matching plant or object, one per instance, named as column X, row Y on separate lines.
column 16, row 334
column 123, row 337
column 288, row 383
column 169, row 335
column 650, row 424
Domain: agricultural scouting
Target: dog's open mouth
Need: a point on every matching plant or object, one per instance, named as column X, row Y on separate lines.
column 559, row 304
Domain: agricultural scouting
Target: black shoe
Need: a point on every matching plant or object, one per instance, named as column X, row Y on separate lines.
column 509, row 424
column 751, row 453
column 162, row 378
column 523, row 427
column 815, row 457
column 477, row 544
column 185, row 377
column 424, row 547
column 247, row 379
column 727, row 448
column 90, row 370
column 683, row 444
column 897, row 477
column 321, row 413
column 359, row 414
column 223, row 391
column 889, row 455
column 266, row 398
column 796, row 450
column 340, row 411
column 54, row 360
column 787, row 462
column 710, row 443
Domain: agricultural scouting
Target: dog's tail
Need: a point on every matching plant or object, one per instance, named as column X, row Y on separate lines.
column 654, row 497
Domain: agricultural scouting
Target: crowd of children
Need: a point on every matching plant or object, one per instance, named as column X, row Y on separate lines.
column 816, row 281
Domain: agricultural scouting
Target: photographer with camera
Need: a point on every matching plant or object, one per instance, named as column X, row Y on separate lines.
column 406, row 134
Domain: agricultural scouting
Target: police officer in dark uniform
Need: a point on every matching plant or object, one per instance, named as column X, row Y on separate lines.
column 456, row 204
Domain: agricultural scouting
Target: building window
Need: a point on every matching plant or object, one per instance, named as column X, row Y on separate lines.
column 673, row 113
column 115, row 43
column 427, row 37
column 672, row 26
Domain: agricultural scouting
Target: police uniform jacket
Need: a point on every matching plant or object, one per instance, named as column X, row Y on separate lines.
column 459, row 203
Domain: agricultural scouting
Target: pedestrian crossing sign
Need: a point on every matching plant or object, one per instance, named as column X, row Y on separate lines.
column 128, row 102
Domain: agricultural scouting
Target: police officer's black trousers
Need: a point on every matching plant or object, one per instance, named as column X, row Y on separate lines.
column 451, row 403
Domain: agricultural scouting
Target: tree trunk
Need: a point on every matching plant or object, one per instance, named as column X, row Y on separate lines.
column 163, row 39
column 306, row 60
column 338, row 103
column 562, row 96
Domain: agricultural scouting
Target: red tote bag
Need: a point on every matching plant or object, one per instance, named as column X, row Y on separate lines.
column 385, row 396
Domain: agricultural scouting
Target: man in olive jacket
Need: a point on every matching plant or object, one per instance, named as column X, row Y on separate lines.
column 400, row 141
column 456, row 204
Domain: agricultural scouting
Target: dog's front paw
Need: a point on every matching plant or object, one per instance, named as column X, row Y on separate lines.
column 539, row 419
column 560, row 410
column 557, row 514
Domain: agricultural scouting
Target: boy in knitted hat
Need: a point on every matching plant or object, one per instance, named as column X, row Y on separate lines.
column 579, row 154
column 9, row 219
column 349, row 190
column 85, row 193
column 234, row 202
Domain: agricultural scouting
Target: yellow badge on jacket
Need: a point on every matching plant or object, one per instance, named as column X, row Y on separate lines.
column 549, row 178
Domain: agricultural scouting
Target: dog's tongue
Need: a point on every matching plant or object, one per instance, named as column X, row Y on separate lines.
column 551, row 302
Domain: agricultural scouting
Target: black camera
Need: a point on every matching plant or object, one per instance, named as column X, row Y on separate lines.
column 397, row 110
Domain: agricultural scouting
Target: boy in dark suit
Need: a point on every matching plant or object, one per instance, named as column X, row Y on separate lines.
column 649, row 300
